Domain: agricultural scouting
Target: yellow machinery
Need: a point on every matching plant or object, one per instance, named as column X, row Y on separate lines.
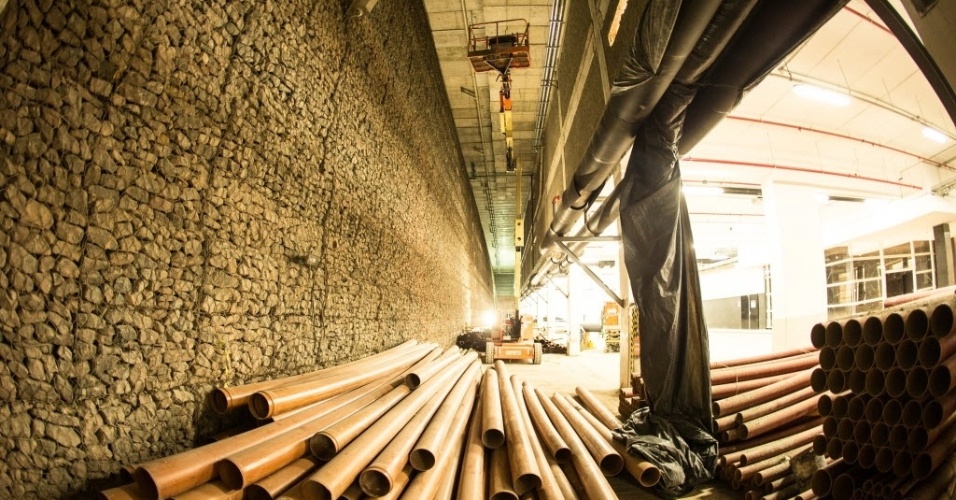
column 506, row 344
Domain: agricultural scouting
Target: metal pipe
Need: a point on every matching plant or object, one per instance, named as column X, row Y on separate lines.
column 893, row 328
column 775, row 404
column 907, row 354
column 867, row 456
column 830, row 425
column 215, row 490
column 884, row 459
column 822, row 480
column 933, row 350
column 899, row 436
column 879, row 434
column 723, row 391
column 607, row 458
column 335, row 476
column 861, row 432
column 895, row 382
column 550, row 436
column 275, row 484
column 851, row 451
column 943, row 378
column 935, row 411
column 726, row 451
column 328, row 442
column 778, row 447
column 353, row 492
column 872, row 331
column 472, row 478
column 875, row 383
column 126, row 492
column 597, row 409
column 379, row 477
column 916, row 324
column 745, row 472
column 724, row 423
column 223, row 399
column 845, row 484
column 766, row 423
column 873, row 410
column 762, row 395
column 892, row 411
column 834, row 334
column 418, row 376
column 818, row 335
column 917, row 382
column 920, row 438
column 827, row 358
column 841, row 406
column 399, row 483
column 885, row 356
column 902, row 463
column 770, row 368
column 714, row 365
column 549, row 489
column 264, row 404
column 857, row 406
column 941, row 321
column 852, row 333
column 593, row 481
column 939, row 484
column 425, row 452
column 835, row 447
column 500, row 485
column 525, row 474
column 863, row 357
column 820, row 444
column 844, row 358
column 845, row 429
column 818, row 380
column 825, row 405
column 856, row 381
column 492, row 420
column 836, row 381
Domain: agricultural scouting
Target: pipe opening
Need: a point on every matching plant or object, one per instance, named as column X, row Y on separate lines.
column 896, row 383
column 412, row 380
column 821, row 482
column 844, row 358
column 902, row 463
column 818, row 380
column 504, row 495
column 313, row 489
column 863, row 357
column 885, row 356
column 922, row 466
column 260, row 405
column 940, row 381
column 875, row 383
column 907, row 354
column 840, row 406
column 843, row 485
column 375, row 482
column 845, row 430
column 899, row 436
column 528, row 482
column 828, row 358
column 872, row 331
column 612, row 465
column 819, row 444
column 917, row 383
column 852, row 333
column 836, row 382
column 650, row 477
column 834, row 334
column 856, row 407
column 830, row 427
column 879, row 434
column 146, row 483
column 422, row 459
column 941, row 321
column 835, row 447
column 323, row 446
column 230, row 474
column 219, row 401
column 818, row 335
column 932, row 414
column 562, row 455
column 930, row 352
column 917, row 440
column 857, row 381
column 824, row 406
column 884, row 460
column 493, row 438
column 917, row 324
column 893, row 328
column 873, row 410
column 861, row 432
column 256, row 492
column 892, row 411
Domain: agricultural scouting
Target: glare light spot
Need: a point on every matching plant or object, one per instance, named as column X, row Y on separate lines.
column 821, row 94
column 934, row 135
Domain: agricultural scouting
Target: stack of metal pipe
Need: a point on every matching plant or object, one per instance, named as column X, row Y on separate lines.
column 412, row 422
column 765, row 414
column 891, row 428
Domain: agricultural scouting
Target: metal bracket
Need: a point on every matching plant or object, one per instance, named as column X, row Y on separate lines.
column 587, row 270
column 566, row 294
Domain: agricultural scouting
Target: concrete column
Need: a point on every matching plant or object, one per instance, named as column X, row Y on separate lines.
column 797, row 267
column 943, row 250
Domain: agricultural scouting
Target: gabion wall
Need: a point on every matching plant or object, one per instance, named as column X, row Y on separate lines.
column 195, row 193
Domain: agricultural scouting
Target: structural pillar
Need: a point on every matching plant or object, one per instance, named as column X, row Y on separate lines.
column 943, row 250
column 798, row 295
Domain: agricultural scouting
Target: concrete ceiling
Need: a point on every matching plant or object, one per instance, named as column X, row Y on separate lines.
column 871, row 147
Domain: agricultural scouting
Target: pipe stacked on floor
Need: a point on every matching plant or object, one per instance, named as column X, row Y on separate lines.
column 894, row 427
column 409, row 422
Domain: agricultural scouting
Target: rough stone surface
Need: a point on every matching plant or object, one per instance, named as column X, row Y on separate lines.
column 167, row 169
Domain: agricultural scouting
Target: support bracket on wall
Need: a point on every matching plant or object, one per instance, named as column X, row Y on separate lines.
column 567, row 294
column 587, row 270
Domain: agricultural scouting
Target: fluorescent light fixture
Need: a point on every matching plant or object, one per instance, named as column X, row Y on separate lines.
column 934, row 135
column 823, row 95
column 821, row 198
column 697, row 190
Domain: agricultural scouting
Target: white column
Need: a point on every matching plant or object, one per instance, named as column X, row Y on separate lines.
column 797, row 267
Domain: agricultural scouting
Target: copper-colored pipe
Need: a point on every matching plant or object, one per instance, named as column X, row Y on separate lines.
column 379, row 477
column 353, row 492
column 550, row 436
column 917, row 382
column 420, row 375
column 426, row 484
column 939, row 484
column 836, row 381
column 818, row 335
column 593, row 480
column 722, row 391
column 590, row 401
column 745, row 472
column 857, row 406
column 773, row 405
column 841, row 405
column 835, row 447
column 822, row 480
column 935, row 411
column 829, row 425
column 852, row 332
column 500, row 485
column 264, row 404
column 492, row 420
column 845, row 484
column 873, row 410
column 805, row 495
column 943, row 378
column 824, row 405
column 607, row 458
column 127, row 492
column 893, row 328
column 916, row 324
column 334, row 477
column 879, row 434
column 872, row 331
column 884, row 459
column 851, row 451
column 818, row 380
column 875, row 383
column 549, row 489
column 856, row 381
column 643, row 471
column 223, row 399
column 472, row 478
column 941, row 321
column 864, row 357
column 216, row 490
column 714, row 365
column 827, row 358
column 845, row 429
column 920, row 438
column 725, row 423
column 844, row 358
column 834, row 334
column 902, row 463
column 399, row 483
column 775, row 448
column 895, row 382
column 766, row 423
column 892, row 411
column 861, row 432
column 760, row 370
column 933, row 350
column 867, row 456
column 770, row 392
column 726, row 450
column 329, row 441
column 251, row 464
column 425, row 452
column 525, row 473
column 275, row 484
column 885, row 356
column 899, row 436
column 907, row 354
column 564, row 485
column 820, row 444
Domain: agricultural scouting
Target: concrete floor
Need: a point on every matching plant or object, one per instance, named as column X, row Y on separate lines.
column 599, row 372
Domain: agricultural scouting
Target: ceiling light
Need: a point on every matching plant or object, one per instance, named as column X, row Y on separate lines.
column 934, row 135
column 821, row 198
column 703, row 190
column 821, row 94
